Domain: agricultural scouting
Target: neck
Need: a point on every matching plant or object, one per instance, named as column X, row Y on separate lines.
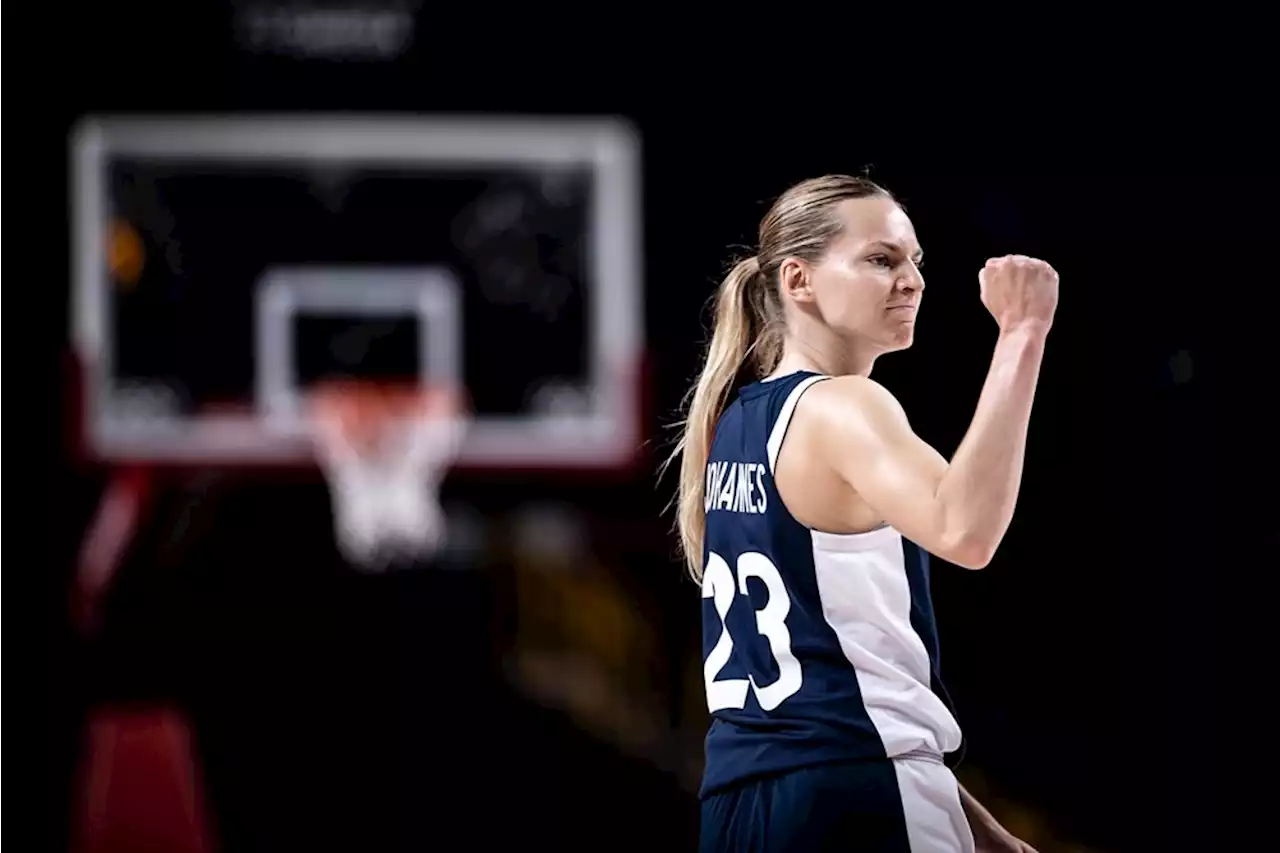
column 822, row 351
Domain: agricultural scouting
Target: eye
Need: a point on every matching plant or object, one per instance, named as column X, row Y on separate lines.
column 919, row 263
column 881, row 260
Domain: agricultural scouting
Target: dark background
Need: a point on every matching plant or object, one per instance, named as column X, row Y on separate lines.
column 1098, row 664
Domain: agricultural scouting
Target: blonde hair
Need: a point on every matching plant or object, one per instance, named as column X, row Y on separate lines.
column 749, row 329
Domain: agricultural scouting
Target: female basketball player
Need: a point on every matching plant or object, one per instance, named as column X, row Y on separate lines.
column 807, row 510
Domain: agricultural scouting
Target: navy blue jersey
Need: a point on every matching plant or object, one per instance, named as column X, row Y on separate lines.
column 817, row 647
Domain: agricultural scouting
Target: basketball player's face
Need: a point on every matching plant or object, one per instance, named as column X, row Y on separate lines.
column 868, row 286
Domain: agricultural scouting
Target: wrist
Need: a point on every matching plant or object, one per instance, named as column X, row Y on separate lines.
column 1027, row 331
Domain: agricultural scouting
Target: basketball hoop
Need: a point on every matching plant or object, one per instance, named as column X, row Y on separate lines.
column 384, row 450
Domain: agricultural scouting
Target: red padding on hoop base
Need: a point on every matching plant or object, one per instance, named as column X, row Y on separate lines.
column 139, row 787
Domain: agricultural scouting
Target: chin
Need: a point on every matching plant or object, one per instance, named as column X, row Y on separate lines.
column 901, row 339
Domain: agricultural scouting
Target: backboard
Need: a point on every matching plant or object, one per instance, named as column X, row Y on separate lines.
column 223, row 265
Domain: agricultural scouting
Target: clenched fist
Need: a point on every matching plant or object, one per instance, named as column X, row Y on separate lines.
column 1019, row 291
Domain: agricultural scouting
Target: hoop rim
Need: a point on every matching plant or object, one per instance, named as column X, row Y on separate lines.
column 357, row 407
column 383, row 395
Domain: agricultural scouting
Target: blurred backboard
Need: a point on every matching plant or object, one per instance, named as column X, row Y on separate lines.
column 223, row 265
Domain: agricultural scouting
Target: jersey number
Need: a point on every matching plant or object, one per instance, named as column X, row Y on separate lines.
column 718, row 585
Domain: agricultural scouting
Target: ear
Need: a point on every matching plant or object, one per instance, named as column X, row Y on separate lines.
column 793, row 277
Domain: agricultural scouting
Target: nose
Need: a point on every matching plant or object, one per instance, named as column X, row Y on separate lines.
column 911, row 281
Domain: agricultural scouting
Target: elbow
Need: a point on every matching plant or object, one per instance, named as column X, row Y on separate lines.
column 970, row 552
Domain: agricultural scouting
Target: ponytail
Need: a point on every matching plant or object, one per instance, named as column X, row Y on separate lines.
column 735, row 333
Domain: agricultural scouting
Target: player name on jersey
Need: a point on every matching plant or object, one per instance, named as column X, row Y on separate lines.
column 736, row 487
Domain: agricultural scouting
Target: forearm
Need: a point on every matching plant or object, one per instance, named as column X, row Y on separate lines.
column 980, row 487
column 988, row 835
column 979, row 817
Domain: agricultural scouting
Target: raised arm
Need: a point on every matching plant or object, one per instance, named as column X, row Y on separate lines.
column 959, row 511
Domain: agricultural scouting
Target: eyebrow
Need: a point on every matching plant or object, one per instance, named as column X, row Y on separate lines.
column 894, row 247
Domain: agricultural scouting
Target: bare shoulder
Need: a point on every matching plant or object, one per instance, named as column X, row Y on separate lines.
column 845, row 404
column 857, row 462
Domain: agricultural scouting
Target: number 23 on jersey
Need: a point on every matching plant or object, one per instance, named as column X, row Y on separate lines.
column 718, row 585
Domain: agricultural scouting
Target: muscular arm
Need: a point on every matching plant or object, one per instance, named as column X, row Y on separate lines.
column 959, row 511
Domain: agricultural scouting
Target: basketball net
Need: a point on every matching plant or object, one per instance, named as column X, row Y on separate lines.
column 384, row 450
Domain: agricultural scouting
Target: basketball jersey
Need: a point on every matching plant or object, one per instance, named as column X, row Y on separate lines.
column 817, row 647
